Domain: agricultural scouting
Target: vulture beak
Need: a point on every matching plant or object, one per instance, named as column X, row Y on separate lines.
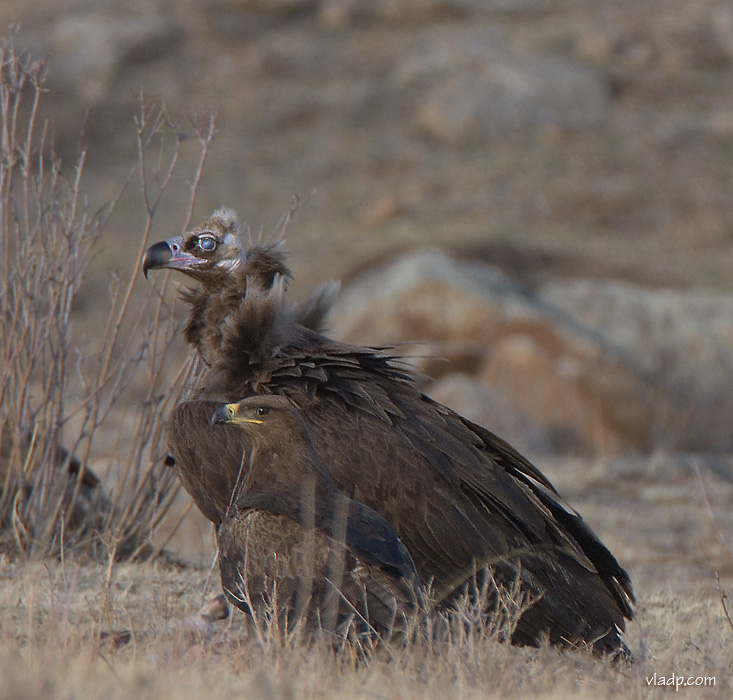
column 169, row 254
column 229, row 413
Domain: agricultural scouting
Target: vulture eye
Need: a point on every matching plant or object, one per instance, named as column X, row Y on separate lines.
column 263, row 411
column 207, row 243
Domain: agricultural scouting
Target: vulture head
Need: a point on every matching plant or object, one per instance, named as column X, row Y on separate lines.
column 212, row 254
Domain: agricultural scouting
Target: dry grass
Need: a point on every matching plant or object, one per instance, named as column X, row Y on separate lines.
column 53, row 615
column 61, row 395
column 654, row 513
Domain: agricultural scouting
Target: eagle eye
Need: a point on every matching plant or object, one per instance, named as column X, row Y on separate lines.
column 262, row 411
column 207, row 243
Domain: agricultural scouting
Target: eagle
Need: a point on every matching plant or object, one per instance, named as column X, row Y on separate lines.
column 464, row 503
column 292, row 543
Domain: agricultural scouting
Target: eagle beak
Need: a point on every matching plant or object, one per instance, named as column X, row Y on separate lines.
column 229, row 413
column 169, row 254
column 224, row 414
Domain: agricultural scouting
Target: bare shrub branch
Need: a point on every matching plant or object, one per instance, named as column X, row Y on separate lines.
column 57, row 395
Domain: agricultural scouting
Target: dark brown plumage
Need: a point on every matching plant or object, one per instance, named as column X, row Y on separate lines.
column 292, row 542
column 459, row 497
column 212, row 255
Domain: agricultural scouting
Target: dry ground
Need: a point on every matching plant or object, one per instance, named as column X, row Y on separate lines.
column 665, row 520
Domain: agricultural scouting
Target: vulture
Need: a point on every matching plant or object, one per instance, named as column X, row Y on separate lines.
column 292, row 543
column 463, row 502
column 213, row 255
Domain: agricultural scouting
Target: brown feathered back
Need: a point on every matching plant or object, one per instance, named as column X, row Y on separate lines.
column 458, row 496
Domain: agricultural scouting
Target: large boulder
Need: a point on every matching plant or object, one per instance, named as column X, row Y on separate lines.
column 683, row 338
column 580, row 358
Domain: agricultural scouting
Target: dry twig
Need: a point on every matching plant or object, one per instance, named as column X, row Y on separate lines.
column 49, row 379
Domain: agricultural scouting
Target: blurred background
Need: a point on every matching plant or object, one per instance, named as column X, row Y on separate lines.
column 537, row 190
column 573, row 137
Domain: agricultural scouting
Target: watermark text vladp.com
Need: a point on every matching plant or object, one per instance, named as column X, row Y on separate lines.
column 678, row 682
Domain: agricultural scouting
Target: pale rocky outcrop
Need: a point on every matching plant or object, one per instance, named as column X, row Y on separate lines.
column 599, row 365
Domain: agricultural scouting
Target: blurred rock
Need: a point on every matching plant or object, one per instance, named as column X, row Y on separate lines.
column 35, row 475
column 90, row 49
column 380, row 211
column 336, row 13
column 684, row 338
column 276, row 6
column 475, row 84
column 584, row 393
column 427, row 296
column 722, row 30
column 685, row 334
column 601, row 366
column 567, row 377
